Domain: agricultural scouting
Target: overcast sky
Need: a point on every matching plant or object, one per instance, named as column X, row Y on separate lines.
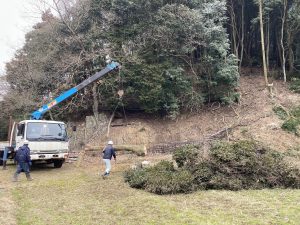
column 16, row 18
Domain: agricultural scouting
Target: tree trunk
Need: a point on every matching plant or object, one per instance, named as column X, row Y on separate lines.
column 281, row 39
column 243, row 35
column 140, row 150
column 263, row 43
column 279, row 50
column 290, row 49
column 233, row 29
column 95, row 102
column 268, row 43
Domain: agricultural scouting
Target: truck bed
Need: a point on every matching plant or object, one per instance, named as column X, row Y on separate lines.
column 10, row 153
column 3, row 144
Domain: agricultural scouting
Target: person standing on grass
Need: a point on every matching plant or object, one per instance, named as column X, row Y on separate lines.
column 108, row 153
column 24, row 161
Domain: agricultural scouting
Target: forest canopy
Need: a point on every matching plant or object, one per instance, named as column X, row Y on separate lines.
column 175, row 55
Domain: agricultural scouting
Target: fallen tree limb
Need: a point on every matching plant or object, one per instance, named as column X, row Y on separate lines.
column 139, row 150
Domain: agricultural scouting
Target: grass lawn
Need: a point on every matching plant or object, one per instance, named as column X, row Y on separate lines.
column 76, row 195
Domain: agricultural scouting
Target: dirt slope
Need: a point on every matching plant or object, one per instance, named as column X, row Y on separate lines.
column 251, row 118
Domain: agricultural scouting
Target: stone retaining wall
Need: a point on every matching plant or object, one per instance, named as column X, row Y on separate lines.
column 170, row 147
column 86, row 132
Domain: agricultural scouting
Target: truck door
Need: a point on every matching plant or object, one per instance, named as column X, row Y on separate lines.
column 20, row 135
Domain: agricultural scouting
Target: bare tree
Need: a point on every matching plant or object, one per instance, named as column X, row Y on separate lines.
column 235, row 43
column 293, row 28
column 265, row 69
column 242, row 33
column 237, row 26
column 283, row 18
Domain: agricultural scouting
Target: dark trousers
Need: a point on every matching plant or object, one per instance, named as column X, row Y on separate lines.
column 22, row 166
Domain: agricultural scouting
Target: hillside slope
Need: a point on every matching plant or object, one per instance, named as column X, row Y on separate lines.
column 252, row 118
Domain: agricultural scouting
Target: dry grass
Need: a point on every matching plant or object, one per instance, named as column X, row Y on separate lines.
column 7, row 216
column 76, row 195
column 7, row 205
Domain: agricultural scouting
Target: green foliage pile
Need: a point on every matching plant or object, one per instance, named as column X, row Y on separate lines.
column 186, row 155
column 291, row 125
column 295, row 85
column 246, row 165
column 280, row 112
column 229, row 166
column 162, row 178
column 174, row 56
column 291, row 118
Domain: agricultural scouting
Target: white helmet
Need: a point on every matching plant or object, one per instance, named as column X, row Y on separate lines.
column 110, row 143
column 26, row 142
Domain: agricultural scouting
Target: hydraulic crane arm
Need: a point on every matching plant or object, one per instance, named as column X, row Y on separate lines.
column 36, row 115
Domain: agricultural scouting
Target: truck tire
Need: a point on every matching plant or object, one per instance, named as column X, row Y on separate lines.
column 58, row 163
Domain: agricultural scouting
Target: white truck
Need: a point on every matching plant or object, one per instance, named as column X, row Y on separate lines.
column 48, row 140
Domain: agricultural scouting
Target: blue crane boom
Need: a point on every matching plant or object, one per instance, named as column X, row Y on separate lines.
column 36, row 115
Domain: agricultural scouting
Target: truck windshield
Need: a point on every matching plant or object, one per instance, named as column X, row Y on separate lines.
column 46, row 131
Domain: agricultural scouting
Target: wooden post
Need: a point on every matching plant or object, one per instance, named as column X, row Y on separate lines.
column 10, row 123
column 270, row 88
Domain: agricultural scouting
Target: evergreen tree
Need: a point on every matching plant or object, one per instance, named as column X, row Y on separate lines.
column 174, row 56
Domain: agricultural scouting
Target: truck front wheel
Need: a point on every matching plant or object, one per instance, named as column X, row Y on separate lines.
column 58, row 163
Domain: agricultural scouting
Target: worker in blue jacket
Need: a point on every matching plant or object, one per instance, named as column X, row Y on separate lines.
column 23, row 160
column 108, row 153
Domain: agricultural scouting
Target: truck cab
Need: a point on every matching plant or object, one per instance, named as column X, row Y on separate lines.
column 48, row 140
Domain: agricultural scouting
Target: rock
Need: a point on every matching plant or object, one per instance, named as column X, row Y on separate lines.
column 133, row 167
column 146, row 164
column 273, row 126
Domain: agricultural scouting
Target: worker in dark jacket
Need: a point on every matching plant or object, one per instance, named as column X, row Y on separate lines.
column 23, row 160
column 108, row 153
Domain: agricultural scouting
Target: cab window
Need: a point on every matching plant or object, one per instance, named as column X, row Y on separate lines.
column 21, row 129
